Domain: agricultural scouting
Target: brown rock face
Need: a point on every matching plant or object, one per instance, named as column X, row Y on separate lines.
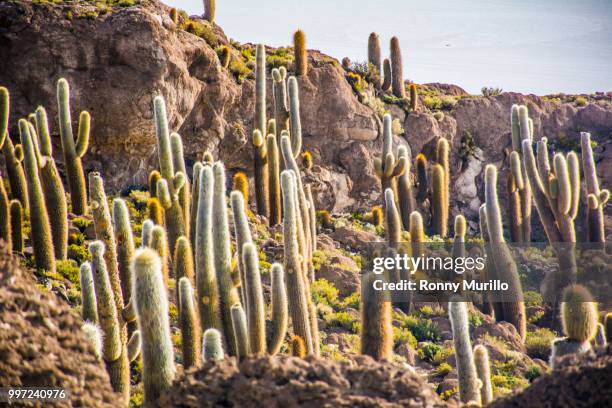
column 291, row 382
column 42, row 344
column 583, row 380
column 118, row 62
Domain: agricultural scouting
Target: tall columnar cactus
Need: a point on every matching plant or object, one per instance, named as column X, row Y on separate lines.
column 469, row 385
column 512, row 307
column 155, row 211
column 228, row 295
column 190, row 327
column 159, row 243
column 5, row 218
column 485, row 274
column 125, row 245
column 414, row 98
column 459, row 250
column 483, row 369
column 405, row 188
column 243, row 237
column 151, row 304
column 295, row 122
column 175, row 221
column 280, row 315
column 392, row 217
column 212, row 345
column 147, row 227
column 260, row 170
column 16, row 214
column 301, row 56
column 206, row 279
column 376, row 327
column 386, row 85
column 417, row 233
column 374, row 52
column 55, row 196
column 261, row 121
column 241, row 332
column 183, row 263
column 281, row 109
column 254, row 299
column 41, row 238
column 313, row 217
column 597, row 198
column 522, row 130
column 89, row 307
column 397, row 71
column 73, row 151
column 579, row 318
column 442, row 158
column 388, row 167
column 514, row 185
column 240, row 182
column 114, row 351
column 438, row 195
column 184, row 194
column 14, row 170
column 421, row 178
column 195, row 201
column 298, row 303
column 210, row 8
column 154, row 177
column 274, row 196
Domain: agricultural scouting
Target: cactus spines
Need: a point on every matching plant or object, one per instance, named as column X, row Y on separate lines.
column 151, row 305
column 260, row 170
column 195, row 198
column 254, row 299
column 16, row 214
column 512, row 309
column 274, row 197
column 514, row 185
column 520, row 130
column 210, row 7
column 374, row 52
column 93, row 337
column 73, row 151
column 301, row 56
column 240, row 182
column 279, row 88
column 578, row 314
column 596, row 229
column 294, row 117
column 392, row 217
column 212, row 345
column 154, row 177
column 147, row 227
column 241, row 332
column 228, row 295
column 469, row 387
column 261, row 121
column 175, row 220
column 483, row 369
column 155, row 211
column 279, row 309
column 243, row 237
column 414, row 98
column 5, row 218
column 41, row 229
column 397, row 74
column 183, row 262
column 109, row 304
column 439, row 203
column 159, row 243
column 89, row 308
column 190, row 327
column 405, row 191
column 298, row 303
column 184, row 193
column 125, row 244
column 206, row 280
column 298, row 348
column 386, row 85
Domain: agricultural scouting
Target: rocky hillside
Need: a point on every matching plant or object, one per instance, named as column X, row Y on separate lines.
column 118, row 59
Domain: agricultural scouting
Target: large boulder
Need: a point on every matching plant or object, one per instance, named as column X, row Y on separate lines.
column 42, row 343
column 283, row 381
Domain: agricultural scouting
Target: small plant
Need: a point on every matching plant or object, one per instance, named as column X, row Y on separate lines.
column 538, row 343
column 490, row 91
column 581, row 101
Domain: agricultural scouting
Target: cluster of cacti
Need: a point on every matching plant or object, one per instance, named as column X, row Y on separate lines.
column 579, row 320
column 388, row 167
column 469, row 383
column 501, row 261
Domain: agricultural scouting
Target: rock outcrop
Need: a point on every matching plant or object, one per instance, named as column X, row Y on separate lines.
column 117, row 62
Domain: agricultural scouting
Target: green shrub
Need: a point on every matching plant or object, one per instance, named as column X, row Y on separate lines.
column 78, row 253
column 404, row 336
column 532, row 298
column 581, row 101
column 323, row 291
column 352, row 300
column 81, row 223
column 433, row 353
column 444, row 369
column 344, row 320
column 69, row 269
column 538, row 343
column 490, row 91
column 533, row 372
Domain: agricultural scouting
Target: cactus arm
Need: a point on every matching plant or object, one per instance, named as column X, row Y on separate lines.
column 134, row 346
column 125, row 244
column 42, row 129
column 89, row 308
column 483, row 369
column 4, row 114
column 239, row 323
column 274, row 180
column 190, row 327
column 573, row 164
column 280, row 312
column 294, row 117
column 255, row 301
column 82, row 143
column 243, row 236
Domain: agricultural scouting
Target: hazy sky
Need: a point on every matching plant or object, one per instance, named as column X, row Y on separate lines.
column 537, row 46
